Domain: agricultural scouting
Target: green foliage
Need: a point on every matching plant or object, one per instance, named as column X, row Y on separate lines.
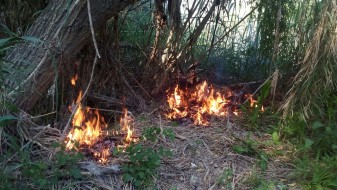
column 254, row 113
column 144, row 161
column 251, row 148
column 317, row 174
column 5, row 44
column 317, row 135
column 36, row 172
column 143, row 164
column 45, row 173
column 246, row 147
column 268, row 11
column 5, row 119
column 135, row 28
column 225, row 179
column 270, row 185
column 152, row 133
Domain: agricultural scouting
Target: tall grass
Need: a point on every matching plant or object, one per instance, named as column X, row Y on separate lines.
column 316, row 78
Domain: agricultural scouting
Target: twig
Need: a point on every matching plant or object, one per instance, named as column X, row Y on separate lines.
column 92, row 30
column 260, row 86
column 38, row 116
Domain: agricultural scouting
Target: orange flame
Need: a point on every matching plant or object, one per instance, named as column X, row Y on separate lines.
column 87, row 126
column 205, row 101
column 125, row 123
column 103, row 157
column 73, row 80
column 252, row 102
column 200, row 101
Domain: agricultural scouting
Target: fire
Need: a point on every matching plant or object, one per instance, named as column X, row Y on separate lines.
column 103, row 156
column 89, row 130
column 204, row 99
column 125, row 123
column 201, row 101
column 73, row 80
column 253, row 103
column 87, row 126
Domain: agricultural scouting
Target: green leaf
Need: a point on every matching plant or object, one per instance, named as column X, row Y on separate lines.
column 5, row 29
column 240, row 149
column 334, row 146
column 276, row 137
column 31, row 39
column 308, row 143
column 263, row 162
column 317, row 125
column 127, row 177
column 8, row 42
column 6, row 118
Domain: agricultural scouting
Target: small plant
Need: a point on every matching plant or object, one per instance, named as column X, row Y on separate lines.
column 317, row 174
column 250, row 148
column 255, row 111
column 226, row 178
column 45, row 173
column 144, row 161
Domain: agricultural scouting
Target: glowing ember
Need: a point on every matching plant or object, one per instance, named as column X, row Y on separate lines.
column 103, row 156
column 262, row 109
column 202, row 100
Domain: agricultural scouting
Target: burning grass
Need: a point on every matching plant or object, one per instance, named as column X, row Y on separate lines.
column 203, row 101
column 90, row 133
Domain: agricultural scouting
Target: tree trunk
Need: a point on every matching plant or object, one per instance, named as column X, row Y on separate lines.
column 64, row 30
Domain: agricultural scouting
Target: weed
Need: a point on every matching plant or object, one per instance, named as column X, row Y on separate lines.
column 317, row 136
column 317, row 174
column 44, row 173
column 33, row 171
column 144, row 161
column 254, row 110
column 225, row 179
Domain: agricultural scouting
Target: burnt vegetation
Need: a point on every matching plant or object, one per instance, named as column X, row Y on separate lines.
column 164, row 94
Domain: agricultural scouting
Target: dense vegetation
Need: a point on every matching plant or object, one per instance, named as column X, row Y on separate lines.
column 286, row 46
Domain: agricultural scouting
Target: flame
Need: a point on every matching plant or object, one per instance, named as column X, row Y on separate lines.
column 200, row 101
column 262, row 109
column 103, row 157
column 252, row 102
column 125, row 123
column 87, row 126
column 73, row 80
column 88, row 129
column 205, row 101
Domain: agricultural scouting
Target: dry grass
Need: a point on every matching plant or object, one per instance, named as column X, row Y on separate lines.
column 317, row 76
column 203, row 157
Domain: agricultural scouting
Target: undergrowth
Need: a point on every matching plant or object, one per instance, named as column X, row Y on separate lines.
column 144, row 160
column 314, row 140
column 21, row 168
